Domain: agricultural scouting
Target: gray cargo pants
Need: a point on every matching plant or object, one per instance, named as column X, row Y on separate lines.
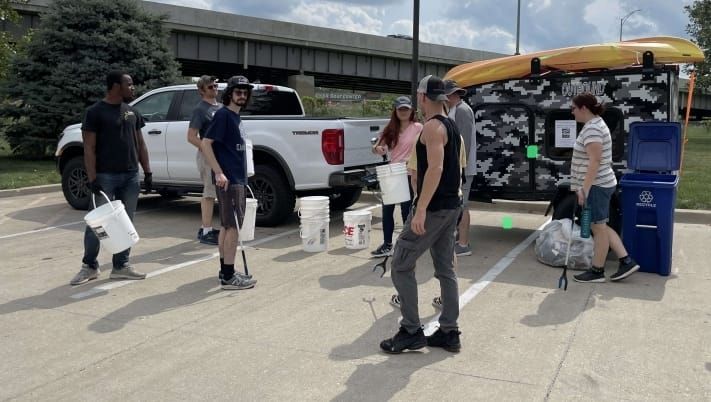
column 439, row 239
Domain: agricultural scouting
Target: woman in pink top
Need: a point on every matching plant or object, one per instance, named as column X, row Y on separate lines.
column 399, row 138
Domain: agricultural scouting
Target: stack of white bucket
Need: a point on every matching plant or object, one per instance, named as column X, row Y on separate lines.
column 314, row 214
column 393, row 183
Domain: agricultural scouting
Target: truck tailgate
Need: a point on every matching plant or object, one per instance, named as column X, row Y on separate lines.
column 357, row 134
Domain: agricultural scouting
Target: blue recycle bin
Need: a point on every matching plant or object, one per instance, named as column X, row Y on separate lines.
column 649, row 194
column 648, row 202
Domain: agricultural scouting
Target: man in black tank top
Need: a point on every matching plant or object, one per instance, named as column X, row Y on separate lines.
column 430, row 226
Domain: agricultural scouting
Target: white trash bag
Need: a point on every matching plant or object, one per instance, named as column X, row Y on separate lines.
column 552, row 244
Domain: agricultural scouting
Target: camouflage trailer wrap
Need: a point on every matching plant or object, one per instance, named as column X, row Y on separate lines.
column 512, row 115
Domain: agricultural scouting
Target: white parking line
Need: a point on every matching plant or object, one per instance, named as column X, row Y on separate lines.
column 61, row 226
column 489, row 277
column 117, row 284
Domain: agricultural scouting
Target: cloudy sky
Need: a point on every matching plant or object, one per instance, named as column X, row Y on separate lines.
column 475, row 24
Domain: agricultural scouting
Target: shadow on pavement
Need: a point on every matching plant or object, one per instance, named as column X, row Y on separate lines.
column 381, row 381
column 184, row 295
column 61, row 295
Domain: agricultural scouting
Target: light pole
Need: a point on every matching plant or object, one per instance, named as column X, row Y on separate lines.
column 518, row 26
column 415, row 50
column 624, row 19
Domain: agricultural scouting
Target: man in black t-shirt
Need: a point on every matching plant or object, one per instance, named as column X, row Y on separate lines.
column 430, row 226
column 113, row 148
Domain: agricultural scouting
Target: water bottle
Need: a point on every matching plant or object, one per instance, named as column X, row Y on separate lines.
column 585, row 218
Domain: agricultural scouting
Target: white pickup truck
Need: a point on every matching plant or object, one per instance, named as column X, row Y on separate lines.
column 293, row 155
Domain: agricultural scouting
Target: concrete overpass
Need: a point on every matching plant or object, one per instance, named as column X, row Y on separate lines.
column 301, row 56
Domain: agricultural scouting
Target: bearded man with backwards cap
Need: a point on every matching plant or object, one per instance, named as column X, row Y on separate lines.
column 430, row 226
column 225, row 150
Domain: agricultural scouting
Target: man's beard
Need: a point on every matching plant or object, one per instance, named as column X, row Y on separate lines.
column 241, row 102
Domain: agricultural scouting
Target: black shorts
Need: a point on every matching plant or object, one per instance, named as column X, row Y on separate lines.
column 232, row 205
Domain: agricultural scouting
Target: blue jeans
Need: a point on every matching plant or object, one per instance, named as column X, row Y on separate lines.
column 117, row 186
column 599, row 203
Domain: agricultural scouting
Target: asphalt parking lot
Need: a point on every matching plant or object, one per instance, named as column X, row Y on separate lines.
column 310, row 328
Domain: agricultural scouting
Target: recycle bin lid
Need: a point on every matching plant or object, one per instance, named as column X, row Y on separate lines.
column 654, row 146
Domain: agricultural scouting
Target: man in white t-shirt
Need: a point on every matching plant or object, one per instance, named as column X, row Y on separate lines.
column 463, row 116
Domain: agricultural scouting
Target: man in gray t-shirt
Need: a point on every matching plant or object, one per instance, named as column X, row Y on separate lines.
column 199, row 123
column 463, row 116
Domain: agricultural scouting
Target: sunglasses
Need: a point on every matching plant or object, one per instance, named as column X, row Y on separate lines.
column 212, row 86
column 241, row 92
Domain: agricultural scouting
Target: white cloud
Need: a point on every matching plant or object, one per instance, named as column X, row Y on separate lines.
column 337, row 16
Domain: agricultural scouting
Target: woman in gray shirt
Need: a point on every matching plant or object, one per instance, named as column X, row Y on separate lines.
column 594, row 182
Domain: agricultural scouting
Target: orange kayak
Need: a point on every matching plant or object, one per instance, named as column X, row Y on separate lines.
column 666, row 49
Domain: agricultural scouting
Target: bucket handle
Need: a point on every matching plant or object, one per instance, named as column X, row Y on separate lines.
column 250, row 191
column 93, row 200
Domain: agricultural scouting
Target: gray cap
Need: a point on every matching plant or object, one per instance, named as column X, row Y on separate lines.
column 205, row 80
column 402, row 101
column 433, row 88
column 451, row 86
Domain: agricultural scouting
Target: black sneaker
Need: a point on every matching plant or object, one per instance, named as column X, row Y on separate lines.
column 403, row 340
column 210, row 237
column 590, row 276
column 448, row 341
column 626, row 269
column 382, row 251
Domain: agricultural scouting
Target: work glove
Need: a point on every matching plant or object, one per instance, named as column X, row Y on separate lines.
column 95, row 187
column 148, row 182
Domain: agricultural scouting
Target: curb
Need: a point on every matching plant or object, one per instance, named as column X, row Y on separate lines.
column 14, row 192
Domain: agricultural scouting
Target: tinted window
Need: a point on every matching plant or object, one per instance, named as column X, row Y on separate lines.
column 155, row 107
column 187, row 104
column 612, row 117
column 273, row 103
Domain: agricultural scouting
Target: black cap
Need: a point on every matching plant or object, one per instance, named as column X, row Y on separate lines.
column 451, row 86
column 433, row 88
column 239, row 81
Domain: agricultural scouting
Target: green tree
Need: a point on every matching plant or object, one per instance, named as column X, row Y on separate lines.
column 61, row 71
column 7, row 13
column 699, row 28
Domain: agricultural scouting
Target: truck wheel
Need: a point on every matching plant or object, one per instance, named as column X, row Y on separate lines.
column 275, row 200
column 75, row 184
column 344, row 198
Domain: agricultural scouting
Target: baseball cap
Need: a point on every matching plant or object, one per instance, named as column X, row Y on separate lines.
column 239, row 81
column 432, row 87
column 402, row 101
column 206, row 80
column 451, row 86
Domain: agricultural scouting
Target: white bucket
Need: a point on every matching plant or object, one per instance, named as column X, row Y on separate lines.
column 112, row 226
column 318, row 201
column 250, row 158
column 393, row 183
column 356, row 229
column 246, row 232
column 314, row 235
